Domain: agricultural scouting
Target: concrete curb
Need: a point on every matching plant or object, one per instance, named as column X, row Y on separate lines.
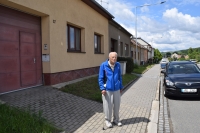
column 152, row 126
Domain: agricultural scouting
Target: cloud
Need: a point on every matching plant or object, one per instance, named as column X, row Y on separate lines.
column 173, row 31
column 178, row 20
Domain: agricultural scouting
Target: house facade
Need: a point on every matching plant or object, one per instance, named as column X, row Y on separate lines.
column 150, row 49
column 119, row 39
column 142, row 52
column 51, row 44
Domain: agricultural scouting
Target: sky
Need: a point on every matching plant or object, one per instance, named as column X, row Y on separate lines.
column 171, row 26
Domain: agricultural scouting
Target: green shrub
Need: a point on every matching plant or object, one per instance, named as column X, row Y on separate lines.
column 129, row 63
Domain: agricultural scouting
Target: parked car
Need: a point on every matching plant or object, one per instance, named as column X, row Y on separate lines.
column 181, row 78
column 163, row 63
column 193, row 60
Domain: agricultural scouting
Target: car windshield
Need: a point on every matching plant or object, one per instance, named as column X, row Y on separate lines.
column 183, row 69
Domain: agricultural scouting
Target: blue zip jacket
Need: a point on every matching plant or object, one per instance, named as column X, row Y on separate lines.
column 112, row 79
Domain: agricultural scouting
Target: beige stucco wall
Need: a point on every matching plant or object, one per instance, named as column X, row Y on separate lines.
column 54, row 35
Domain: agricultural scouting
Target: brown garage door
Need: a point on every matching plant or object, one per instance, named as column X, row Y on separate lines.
column 20, row 50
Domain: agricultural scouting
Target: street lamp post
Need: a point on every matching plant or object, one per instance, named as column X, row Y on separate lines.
column 136, row 25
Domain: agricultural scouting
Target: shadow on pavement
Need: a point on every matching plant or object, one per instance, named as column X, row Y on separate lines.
column 134, row 120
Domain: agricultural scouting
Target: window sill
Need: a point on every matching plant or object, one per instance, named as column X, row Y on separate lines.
column 98, row 53
column 71, row 51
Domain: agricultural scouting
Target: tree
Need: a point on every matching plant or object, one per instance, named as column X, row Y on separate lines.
column 157, row 56
column 168, row 54
column 190, row 51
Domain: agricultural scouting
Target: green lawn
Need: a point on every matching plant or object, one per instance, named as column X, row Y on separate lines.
column 89, row 88
column 141, row 69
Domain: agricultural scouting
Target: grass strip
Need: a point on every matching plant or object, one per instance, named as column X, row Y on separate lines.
column 141, row 69
column 89, row 88
column 15, row 120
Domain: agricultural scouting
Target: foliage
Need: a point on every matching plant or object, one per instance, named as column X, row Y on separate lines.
column 15, row 120
column 157, row 56
column 168, row 54
column 129, row 63
column 194, row 53
column 89, row 88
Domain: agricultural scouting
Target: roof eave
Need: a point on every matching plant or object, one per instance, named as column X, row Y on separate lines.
column 97, row 7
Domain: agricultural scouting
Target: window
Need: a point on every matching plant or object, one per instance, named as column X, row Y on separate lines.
column 97, row 43
column 135, row 55
column 74, row 38
column 132, row 52
column 126, row 50
column 121, row 48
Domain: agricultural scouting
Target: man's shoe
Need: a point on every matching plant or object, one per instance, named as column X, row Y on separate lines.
column 108, row 124
column 119, row 124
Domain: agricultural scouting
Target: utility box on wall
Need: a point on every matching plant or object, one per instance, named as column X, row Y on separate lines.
column 123, row 67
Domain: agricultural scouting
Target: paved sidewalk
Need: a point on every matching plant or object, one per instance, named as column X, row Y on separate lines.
column 79, row 115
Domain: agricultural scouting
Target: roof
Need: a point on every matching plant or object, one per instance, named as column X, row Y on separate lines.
column 97, row 7
column 143, row 40
column 113, row 22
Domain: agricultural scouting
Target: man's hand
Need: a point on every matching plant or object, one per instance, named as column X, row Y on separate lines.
column 103, row 92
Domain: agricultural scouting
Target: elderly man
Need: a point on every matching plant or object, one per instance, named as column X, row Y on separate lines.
column 110, row 83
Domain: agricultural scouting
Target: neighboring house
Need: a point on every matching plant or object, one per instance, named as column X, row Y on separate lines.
column 119, row 39
column 175, row 55
column 149, row 47
column 145, row 55
column 186, row 57
column 152, row 52
column 134, row 51
column 48, row 42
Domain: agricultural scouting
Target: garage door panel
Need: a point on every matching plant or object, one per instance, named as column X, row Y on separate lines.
column 9, row 64
column 19, row 19
column 9, row 48
column 20, row 50
column 27, row 49
column 9, row 82
column 39, row 76
column 8, row 33
column 27, row 37
column 38, row 50
column 38, row 40
column 38, row 62
column 28, row 64
column 28, row 78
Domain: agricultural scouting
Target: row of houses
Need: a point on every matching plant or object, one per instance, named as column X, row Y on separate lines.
column 177, row 56
column 47, row 42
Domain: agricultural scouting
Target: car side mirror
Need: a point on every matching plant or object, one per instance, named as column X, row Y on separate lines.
column 163, row 71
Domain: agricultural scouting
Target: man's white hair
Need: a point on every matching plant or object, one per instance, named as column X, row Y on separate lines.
column 112, row 53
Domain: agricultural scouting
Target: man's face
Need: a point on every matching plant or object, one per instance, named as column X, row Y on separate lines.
column 113, row 58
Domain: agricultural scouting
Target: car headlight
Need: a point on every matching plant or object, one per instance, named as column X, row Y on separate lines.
column 169, row 83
